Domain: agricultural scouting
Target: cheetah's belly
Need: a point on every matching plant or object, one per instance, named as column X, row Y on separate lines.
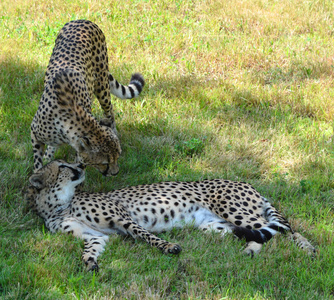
column 175, row 218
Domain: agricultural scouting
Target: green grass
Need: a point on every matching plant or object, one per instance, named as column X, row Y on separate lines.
column 241, row 90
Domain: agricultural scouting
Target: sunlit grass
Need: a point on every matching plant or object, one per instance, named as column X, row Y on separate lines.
column 241, row 90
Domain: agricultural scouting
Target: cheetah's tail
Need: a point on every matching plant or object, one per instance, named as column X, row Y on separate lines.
column 260, row 236
column 257, row 237
column 275, row 223
column 134, row 88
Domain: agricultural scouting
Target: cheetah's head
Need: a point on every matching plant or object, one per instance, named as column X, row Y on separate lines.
column 53, row 186
column 100, row 150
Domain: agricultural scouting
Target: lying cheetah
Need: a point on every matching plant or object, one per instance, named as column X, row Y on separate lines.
column 77, row 70
column 219, row 205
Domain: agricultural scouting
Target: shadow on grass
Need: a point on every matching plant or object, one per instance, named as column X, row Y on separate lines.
column 151, row 151
column 21, row 85
column 227, row 104
column 150, row 154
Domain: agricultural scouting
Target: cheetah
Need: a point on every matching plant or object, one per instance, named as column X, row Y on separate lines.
column 219, row 205
column 78, row 69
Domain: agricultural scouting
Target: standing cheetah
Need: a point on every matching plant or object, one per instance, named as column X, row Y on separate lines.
column 220, row 205
column 77, row 70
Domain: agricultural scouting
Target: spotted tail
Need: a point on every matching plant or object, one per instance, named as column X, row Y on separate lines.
column 260, row 236
column 275, row 223
column 134, row 88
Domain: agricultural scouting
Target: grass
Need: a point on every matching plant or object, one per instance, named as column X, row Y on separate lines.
column 241, row 90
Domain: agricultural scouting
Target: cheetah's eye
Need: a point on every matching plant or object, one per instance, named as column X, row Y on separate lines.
column 86, row 139
column 85, row 144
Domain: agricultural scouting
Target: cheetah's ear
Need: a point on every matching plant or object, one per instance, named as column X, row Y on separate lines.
column 63, row 89
column 37, row 181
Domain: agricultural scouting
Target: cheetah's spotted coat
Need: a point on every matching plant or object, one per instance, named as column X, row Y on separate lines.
column 219, row 205
column 77, row 70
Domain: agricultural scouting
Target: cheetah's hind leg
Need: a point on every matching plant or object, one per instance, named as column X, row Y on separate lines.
column 224, row 227
column 302, row 243
column 252, row 248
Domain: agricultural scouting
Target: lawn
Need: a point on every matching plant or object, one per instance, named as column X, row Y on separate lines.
column 241, row 90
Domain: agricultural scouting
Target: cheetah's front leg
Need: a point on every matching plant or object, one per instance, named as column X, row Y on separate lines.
column 38, row 149
column 95, row 241
column 94, row 246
